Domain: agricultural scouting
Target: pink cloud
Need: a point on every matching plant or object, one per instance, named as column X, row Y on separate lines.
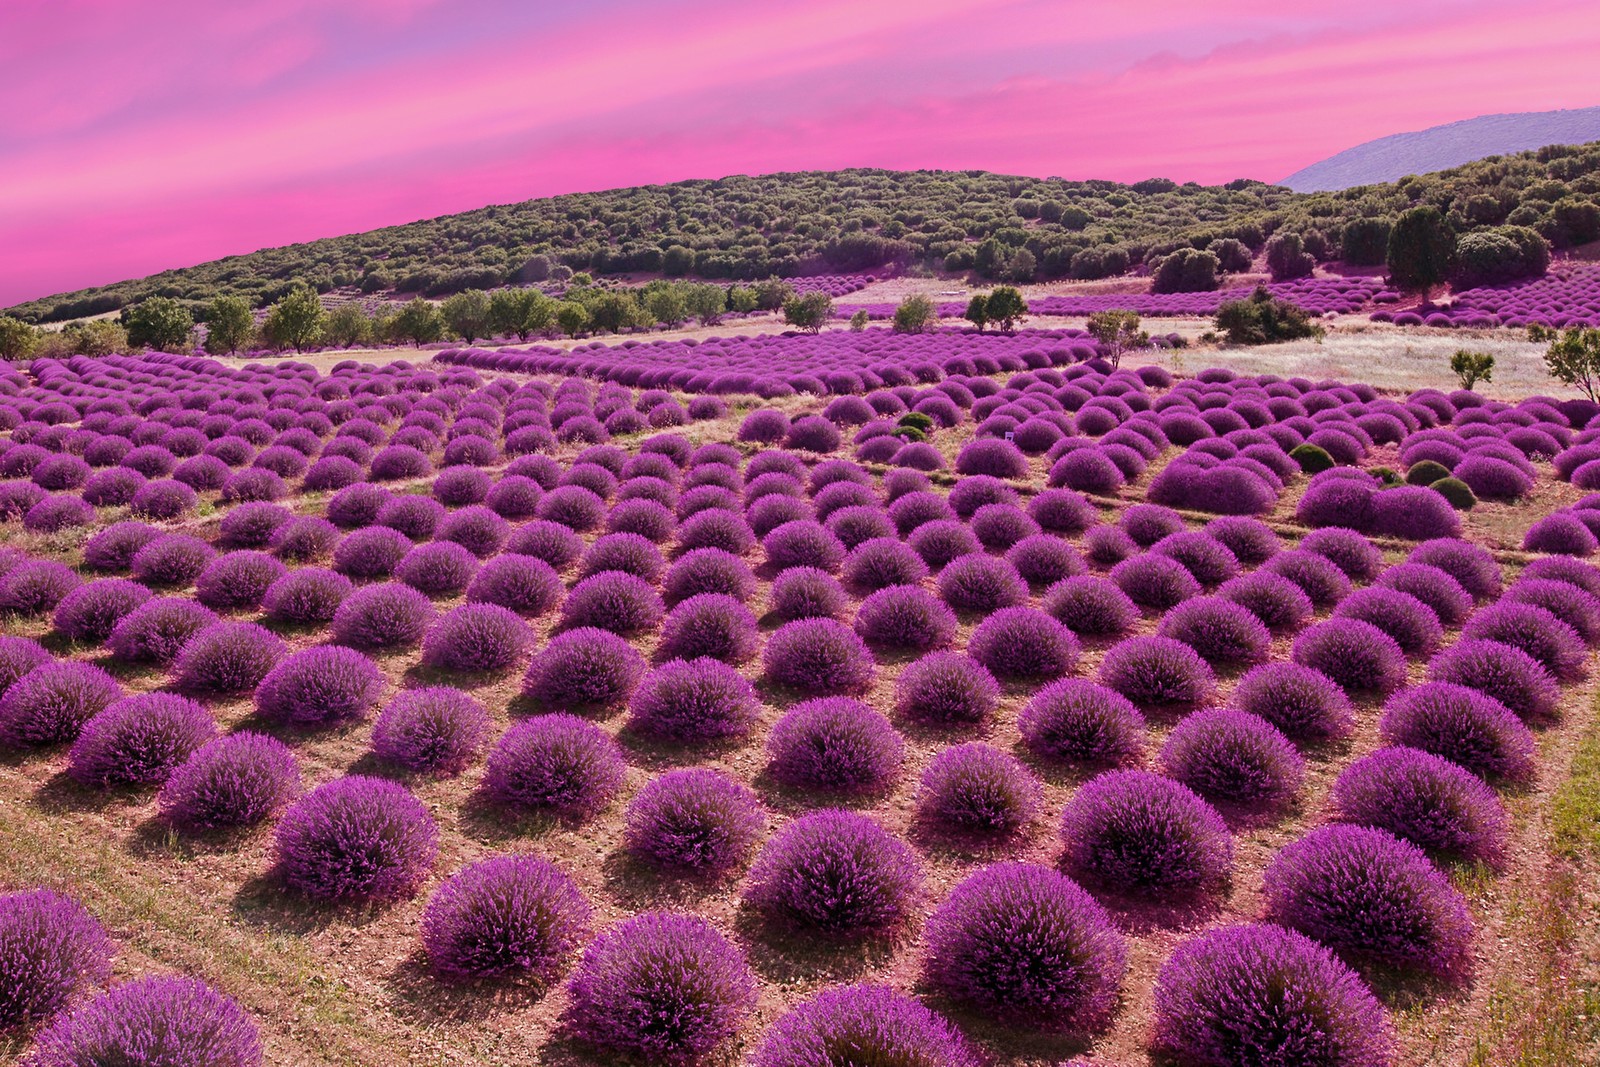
column 143, row 144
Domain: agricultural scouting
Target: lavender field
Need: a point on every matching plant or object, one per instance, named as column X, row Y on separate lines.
column 793, row 700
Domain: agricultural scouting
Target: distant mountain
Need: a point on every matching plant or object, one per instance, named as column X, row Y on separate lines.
column 1393, row 157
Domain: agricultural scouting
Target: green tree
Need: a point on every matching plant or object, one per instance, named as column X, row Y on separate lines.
column 1119, row 331
column 810, row 312
column 668, row 305
column 572, row 317
column 17, row 338
column 1262, row 319
column 858, row 321
column 916, row 314
column 1472, row 367
column 348, row 325
column 98, row 337
column 772, row 294
column 467, row 314
column 1574, row 359
column 1185, row 271
column 742, row 298
column 1006, row 308
column 295, row 321
column 158, row 322
column 707, row 303
column 614, row 310
column 1287, row 258
column 1421, row 253
column 977, row 311
column 230, row 324
column 520, row 311
column 418, row 322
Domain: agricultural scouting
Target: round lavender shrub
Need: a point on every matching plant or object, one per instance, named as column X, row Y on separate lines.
column 477, row 638
column 818, row 656
column 318, row 685
column 664, row 987
column 305, row 539
column 803, row 544
column 252, row 525
column 1091, row 607
column 90, row 612
column 905, row 617
column 357, row 505
column 331, row 472
column 1221, row 631
column 836, row 744
column 1560, row 534
column 694, row 821
column 710, row 570
column 1157, row 671
column 837, row 873
column 556, row 764
column 1356, row 656
column 572, row 506
column 237, row 580
column 1552, row 643
column 113, row 548
column 613, row 601
column 1425, row 799
column 417, row 517
column 18, row 656
column 506, row 915
column 1233, row 756
column 155, row 1020
column 1467, row 563
column 709, row 625
column 1079, row 722
column 438, row 569
column 1463, row 726
column 1353, row 554
column 1024, row 643
column 1251, row 541
column 628, row 553
column 308, row 596
column 584, row 669
column 694, row 700
column 883, row 562
column 1136, row 832
column 1445, row 596
column 235, row 780
column 1026, row 944
column 976, row 789
column 1303, row 704
column 156, row 631
column 1501, row 672
column 874, row 1023
column 946, row 688
column 1571, row 605
column 942, row 541
column 51, row 951
column 227, row 658
column 112, row 488
column 139, row 740
column 1411, row 623
column 980, row 583
column 1372, row 898
column 383, row 617
column 764, row 426
column 36, row 586
column 1043, row 559
column 56, row 513
column 433, row 730
column 1155, row 582
column 803, row 593
column 526, row 585
column 356, row 838
column 1259, row 994
column 163, row 500
column 1316, row 575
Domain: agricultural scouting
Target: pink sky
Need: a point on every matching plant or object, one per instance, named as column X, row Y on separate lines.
column 136, row 140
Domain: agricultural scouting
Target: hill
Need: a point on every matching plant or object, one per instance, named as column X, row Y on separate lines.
column 1390, row 158
column 992, row 226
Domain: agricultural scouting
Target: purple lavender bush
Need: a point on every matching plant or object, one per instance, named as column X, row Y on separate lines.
column 506, row 915
column 154, row 1020
column 1133, row 832
column 874, row 1023
column 356, row 838
column 834, row 744
column 51, row 951
column 557, row 764
column 139, row 740
column 1424, row 799
column 694, row 821
column 237, row 780
column 835, row 873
